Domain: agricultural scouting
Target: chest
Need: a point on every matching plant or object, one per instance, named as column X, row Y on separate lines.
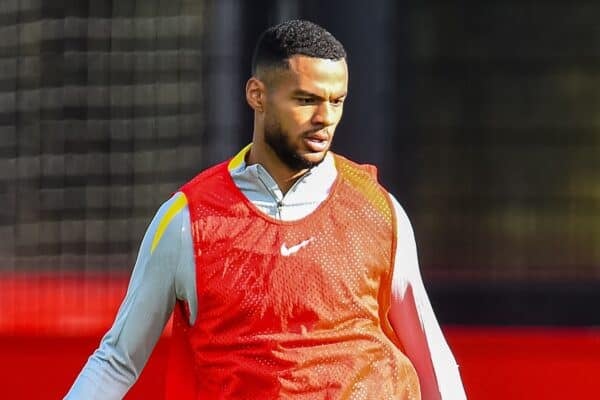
column 325, row 268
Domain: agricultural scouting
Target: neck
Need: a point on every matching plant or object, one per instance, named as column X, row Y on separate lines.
column 284, row 176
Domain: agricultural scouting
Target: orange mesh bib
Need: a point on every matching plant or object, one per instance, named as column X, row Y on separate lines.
column 290, row 310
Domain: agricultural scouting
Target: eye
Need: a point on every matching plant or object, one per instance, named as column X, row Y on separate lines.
column 305, row 101
column 337, row 102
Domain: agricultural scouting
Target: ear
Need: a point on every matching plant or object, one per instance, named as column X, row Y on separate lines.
column 255, row 94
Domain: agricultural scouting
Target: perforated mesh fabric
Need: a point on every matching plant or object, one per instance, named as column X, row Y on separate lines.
column 290, row 310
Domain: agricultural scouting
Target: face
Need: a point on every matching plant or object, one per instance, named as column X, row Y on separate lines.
column 303, row 107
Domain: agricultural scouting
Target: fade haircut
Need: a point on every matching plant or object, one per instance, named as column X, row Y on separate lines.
column 280, row 42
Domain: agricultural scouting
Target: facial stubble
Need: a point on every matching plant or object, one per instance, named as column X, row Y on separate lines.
column 279, row 141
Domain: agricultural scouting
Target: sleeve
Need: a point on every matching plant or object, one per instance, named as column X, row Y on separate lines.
column 415, row 323
column 124, row 350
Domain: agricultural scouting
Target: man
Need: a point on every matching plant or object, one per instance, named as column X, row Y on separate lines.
column 291, row 272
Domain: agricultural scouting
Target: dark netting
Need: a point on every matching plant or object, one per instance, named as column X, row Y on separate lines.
column 482, row 121
column 506, row 140
column 101, row 118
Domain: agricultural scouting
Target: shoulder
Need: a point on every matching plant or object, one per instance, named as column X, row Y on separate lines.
column 168, row 220
column 404, row 227
column 170, row 208
column 362, row 177
column 347, row 167
column 217, row 172
column 361, row 181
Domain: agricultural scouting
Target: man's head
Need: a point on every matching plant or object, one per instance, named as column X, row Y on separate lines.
column 298, row 85
column 279, row 43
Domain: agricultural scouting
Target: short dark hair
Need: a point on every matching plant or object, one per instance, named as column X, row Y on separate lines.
column 280, row 42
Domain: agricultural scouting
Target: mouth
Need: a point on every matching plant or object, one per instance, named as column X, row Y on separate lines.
column 317, row 141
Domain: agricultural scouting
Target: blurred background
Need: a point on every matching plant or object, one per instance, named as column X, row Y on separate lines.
column 483, row 118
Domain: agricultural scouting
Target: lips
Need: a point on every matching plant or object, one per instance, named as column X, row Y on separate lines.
column 320, row 135
column 317, row 141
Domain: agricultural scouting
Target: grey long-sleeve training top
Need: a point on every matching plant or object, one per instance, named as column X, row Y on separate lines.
column 165, row 271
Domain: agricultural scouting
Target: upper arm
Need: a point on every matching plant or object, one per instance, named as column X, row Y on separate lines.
column 414, row 320
column 141, row 318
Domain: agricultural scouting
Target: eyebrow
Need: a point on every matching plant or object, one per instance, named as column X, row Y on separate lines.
column 300, row 92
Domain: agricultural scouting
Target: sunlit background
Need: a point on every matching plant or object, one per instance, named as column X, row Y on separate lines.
column 483, row 118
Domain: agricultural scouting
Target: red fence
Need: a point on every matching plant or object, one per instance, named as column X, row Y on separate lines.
column 49, row 325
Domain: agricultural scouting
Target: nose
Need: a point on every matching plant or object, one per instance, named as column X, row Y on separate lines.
column 325, row 114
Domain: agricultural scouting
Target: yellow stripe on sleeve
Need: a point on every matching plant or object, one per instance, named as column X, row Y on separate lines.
column 237, row 160
column 174, row 208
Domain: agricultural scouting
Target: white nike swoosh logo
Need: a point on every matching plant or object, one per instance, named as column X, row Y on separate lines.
column 286, row 252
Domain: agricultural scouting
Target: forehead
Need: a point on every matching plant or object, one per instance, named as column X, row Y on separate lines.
column 316, row 75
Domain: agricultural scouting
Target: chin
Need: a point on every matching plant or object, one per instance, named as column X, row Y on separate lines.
column 314, row 159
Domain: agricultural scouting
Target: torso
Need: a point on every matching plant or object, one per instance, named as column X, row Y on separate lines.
column 294, row 309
